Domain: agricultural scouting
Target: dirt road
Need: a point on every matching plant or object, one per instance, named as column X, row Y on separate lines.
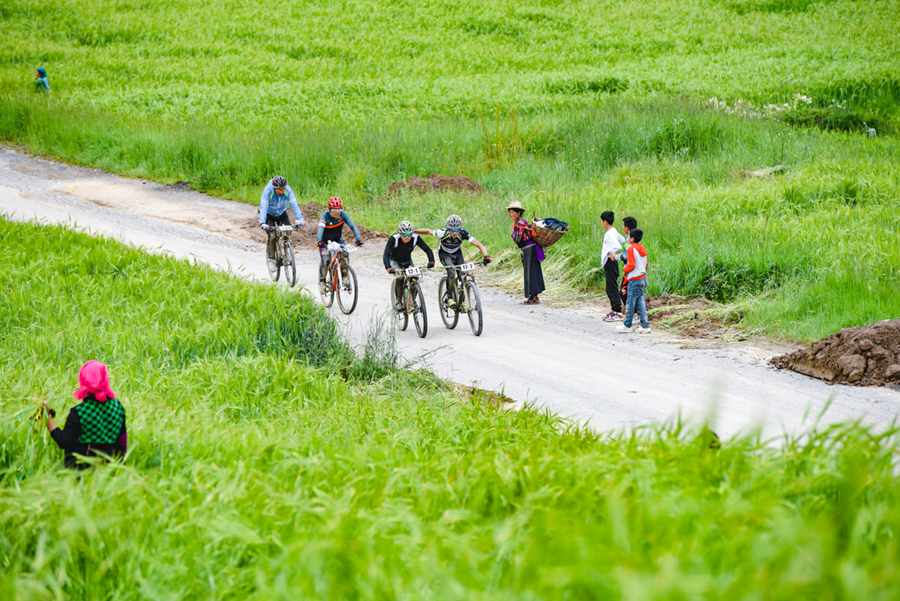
column 567, row 360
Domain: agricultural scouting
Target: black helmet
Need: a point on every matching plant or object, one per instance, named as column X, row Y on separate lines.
column 279, row 182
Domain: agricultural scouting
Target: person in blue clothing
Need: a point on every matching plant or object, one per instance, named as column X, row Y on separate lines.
column 331, row 229
column 273, row 206
column 40, row 81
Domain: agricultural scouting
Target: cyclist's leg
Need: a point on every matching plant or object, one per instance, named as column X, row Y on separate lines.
column 398, row 283
column 273, row 235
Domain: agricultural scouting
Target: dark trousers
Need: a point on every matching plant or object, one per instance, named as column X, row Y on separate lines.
column 273, row 235
column 451, row 259
column 611, row 270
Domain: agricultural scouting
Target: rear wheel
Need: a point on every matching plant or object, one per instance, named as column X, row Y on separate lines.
column 449, row 315
column 290, row 267
column 402, row 315
column 473, row 308
column 347, row 292
column 326, row 290
column 420, row 317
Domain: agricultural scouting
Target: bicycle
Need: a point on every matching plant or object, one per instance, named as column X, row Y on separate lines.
column 412, row 302
column 284, row 256
column 340, row 278
column 468, row 299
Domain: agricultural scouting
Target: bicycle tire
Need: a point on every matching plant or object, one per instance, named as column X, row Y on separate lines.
column 449, row 315
column 420, row 315
column 348, row 286
column 290, row 266
column 402, row 315
column 326, row 290
column 473, row 308
column 277, row 273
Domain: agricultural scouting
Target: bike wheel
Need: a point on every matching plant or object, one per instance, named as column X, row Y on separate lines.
column 290, row 267
column 275, row 273
column 402, row 315
column 348, row 293
column 473, row 308
column 449, row 315
column 326, row 290
column 420, row 317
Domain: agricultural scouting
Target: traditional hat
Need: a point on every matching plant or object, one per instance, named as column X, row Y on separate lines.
column 515, row 205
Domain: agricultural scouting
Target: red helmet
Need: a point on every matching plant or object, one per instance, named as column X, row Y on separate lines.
column 335, row 203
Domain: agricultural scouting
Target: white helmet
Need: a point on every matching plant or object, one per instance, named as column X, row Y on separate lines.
column 454, row 222
column 405, row 228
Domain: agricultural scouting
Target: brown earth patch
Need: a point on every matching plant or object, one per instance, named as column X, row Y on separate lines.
column 306, row 237
column 692, row 317
column 437, row 183
column 862, row 356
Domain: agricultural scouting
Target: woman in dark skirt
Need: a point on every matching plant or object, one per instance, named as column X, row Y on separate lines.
column 96, row 426
column 532, row 254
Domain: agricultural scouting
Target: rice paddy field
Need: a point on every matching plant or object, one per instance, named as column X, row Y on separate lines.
column 266, row 461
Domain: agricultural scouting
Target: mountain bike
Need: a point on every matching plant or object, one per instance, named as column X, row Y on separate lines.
column 468, row 300
column 284, row 256
column 340, row 279
column 412, row 302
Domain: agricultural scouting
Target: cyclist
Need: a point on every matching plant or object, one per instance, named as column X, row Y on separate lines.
column 273, row 206
column 450, row 250
column 398, row 255
column 331, row 229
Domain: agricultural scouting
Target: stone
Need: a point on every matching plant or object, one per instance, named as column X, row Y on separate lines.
column 851, row 363
column 892, row 372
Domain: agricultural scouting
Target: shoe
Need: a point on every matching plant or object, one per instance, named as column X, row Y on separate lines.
column 532, row 301
column 451, row 302
column 462, row 307
column 622, row 329
column 642, row 330
column 271, row 264
column 613, row 316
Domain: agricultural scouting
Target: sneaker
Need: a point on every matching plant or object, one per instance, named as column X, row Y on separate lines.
column 462, row 307
column 613, row 316
column 622, row 329
column 642, row 330
column 451, row 302
column 271, row 264
column 322, row 288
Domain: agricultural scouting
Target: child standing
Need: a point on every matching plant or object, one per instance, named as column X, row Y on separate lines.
column 636, row 278
column 40, row 81
column 628, row 224
column 612, row 245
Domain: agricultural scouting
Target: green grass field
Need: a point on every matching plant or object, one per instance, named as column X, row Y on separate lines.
column 571, row 107
column 267, row 462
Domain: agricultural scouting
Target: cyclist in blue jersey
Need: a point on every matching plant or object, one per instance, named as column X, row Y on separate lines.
column 331, row 229
column 273, row 205
column 450, row 252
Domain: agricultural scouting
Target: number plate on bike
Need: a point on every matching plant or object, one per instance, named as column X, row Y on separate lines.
column 412, row 271
column 467, row 267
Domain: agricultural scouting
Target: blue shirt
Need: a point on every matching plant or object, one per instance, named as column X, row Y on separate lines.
column 331, row 229
column 41, row 84
column 274, row 205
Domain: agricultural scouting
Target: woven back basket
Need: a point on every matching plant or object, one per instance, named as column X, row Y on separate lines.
column 543, row 236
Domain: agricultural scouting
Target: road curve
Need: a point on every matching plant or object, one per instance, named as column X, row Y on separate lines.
column 566, row 360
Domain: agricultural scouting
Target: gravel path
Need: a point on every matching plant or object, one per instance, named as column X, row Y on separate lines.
column 566, row 360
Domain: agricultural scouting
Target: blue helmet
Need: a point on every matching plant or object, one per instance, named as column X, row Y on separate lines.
column 42, row 71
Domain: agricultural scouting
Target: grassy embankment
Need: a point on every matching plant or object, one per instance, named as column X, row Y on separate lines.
column 346, row 98
column 256, row 471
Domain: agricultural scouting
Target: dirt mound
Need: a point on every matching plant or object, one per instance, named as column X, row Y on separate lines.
column 864, row 356
column 306, row 238
column 437, row 183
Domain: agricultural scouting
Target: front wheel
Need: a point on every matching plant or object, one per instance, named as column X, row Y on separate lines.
column 290, row 267
column 326, row 289
column 347, row 293
column 473, row 308
column 420, row 317
column 449, row 314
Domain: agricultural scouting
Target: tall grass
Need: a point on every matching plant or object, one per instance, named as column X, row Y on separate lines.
column 256, row 471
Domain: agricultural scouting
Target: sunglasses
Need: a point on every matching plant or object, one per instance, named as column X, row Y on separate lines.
column 279, row 189
column 456, row 231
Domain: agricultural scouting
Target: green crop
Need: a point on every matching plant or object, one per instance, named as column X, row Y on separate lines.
column 265, row 462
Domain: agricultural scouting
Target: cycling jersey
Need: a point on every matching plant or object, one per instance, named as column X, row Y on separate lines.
column 331, row 229
column 274, row 205
column 449, row 244
column 401, row 251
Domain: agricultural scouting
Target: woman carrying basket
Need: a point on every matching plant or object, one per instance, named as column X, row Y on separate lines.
column 532, row 254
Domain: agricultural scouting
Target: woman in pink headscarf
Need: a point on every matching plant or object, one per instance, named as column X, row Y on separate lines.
column 96, row 426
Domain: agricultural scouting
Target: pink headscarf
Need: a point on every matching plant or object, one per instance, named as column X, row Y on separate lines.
column 93, row 379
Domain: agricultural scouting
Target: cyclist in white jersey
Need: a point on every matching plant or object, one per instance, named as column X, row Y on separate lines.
column 451, row 239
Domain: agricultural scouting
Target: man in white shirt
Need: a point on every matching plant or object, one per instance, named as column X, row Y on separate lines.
column 612, row 243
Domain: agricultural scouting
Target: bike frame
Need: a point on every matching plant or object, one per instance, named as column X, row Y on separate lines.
column 337, row 251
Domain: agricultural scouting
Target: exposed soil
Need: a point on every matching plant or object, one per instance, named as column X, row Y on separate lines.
column 306, row 237
column 691, row 317
column 437, row 183
column 862, row 355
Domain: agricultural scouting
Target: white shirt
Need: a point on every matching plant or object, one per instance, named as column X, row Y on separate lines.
column 612, row 243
